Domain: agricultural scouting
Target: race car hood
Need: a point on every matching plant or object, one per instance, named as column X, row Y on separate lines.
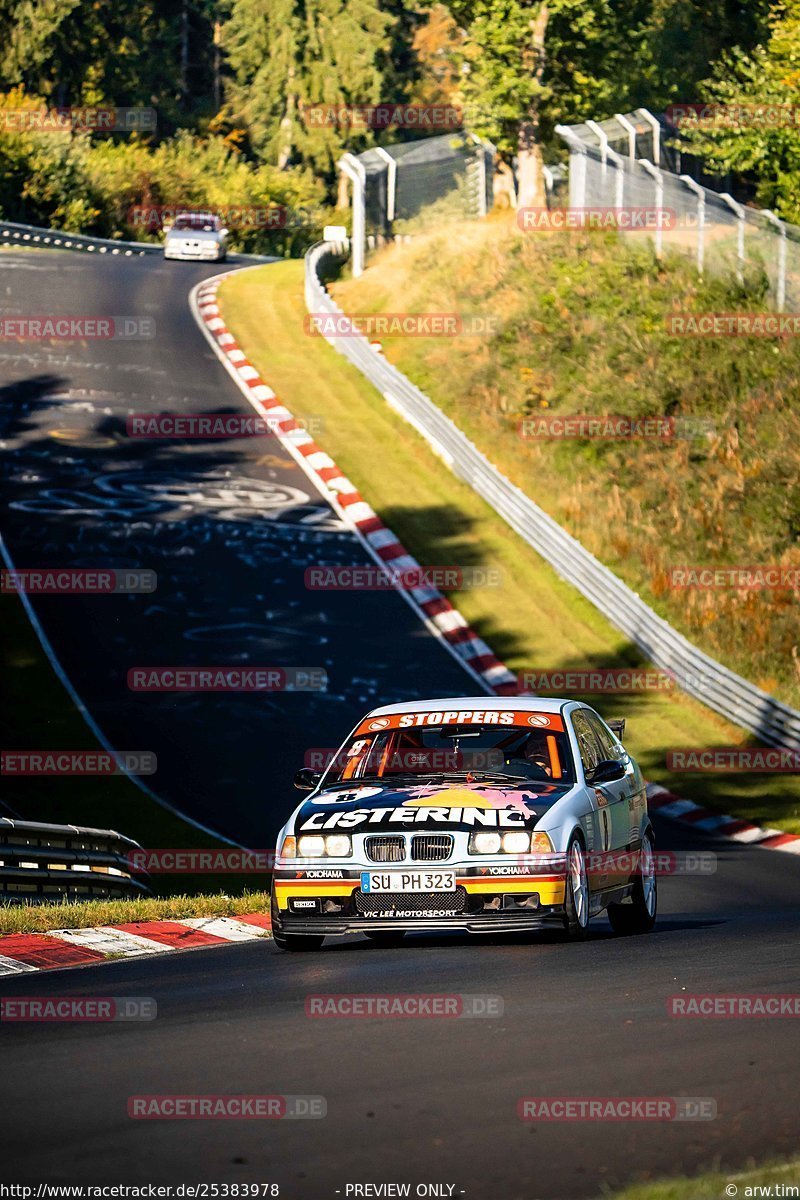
column 430, row 806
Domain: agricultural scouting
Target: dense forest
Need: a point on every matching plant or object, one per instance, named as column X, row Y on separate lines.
column 232, row 85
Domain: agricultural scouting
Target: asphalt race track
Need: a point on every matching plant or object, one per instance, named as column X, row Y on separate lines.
column 417, row 1101
column 429, row 1100
column 229, row 527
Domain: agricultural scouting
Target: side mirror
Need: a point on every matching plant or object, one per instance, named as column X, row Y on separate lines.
column 607, row 771
column 306, row 780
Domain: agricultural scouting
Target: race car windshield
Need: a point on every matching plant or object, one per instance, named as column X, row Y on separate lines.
column 509, row 755
column 197, row 223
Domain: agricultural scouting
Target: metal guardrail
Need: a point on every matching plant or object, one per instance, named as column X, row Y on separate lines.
column 698, row 674
column 12, row 234
column 45, row 863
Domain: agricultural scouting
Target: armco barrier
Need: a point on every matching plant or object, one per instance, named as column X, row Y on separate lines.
column 12, row 234
column 46, row 863
column 701, row 676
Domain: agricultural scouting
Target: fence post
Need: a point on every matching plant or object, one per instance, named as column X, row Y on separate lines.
column 656, row 174
column 391, row 182
column 602, row 138
column 781, row 227
column 577, row 166
column 741, row 221
column 619, row 177
column 631, row 132
column 354, row 170
column 701, row 219
column 646, row 115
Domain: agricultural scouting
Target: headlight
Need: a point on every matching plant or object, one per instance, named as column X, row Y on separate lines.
column 311, row 846
column 335, row 845
column 516, row 841
column 485, row 843
column 338, row 845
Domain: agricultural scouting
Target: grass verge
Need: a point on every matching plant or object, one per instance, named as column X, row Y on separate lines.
column 712, row 1186
column 38, row 918
column 584, row 329
column 533, row 620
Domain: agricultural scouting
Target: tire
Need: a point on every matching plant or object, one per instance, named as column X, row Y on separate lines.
column 385, row 938
column 576, row 893
column 639, row 916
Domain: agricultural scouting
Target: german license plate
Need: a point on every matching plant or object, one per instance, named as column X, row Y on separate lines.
column 378, row 882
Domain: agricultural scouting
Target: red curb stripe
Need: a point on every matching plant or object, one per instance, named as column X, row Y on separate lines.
column 348, row 498
column 662, row 800
column 434, row 608
column 392, row 550
column 309, row 448
column 38, row 950
column 370, row 525
column 779, row 839
column 698, row 814
column 261, row 920
column 482, row 662
column 171, row 933
column 734, row 826
column 326, row 473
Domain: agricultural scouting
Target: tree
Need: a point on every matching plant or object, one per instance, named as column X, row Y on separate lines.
column 289, row 56
column 534, row 64
column 754, row 125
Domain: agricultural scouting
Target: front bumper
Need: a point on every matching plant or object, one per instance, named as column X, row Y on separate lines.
column 479, row 905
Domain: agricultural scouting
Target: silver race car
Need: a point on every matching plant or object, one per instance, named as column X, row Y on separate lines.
column 196, row 237
column 474, row 814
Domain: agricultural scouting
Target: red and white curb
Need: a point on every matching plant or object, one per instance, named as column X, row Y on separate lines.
column 23, row 952
column 675, row 808
column 441, row 618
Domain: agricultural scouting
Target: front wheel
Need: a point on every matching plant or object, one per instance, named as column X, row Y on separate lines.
column 639, row 916
column 576, row 898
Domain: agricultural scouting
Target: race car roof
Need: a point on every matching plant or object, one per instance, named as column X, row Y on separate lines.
column 500, row 703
